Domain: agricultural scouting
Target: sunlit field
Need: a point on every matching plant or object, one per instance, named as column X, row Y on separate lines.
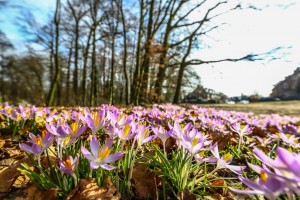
column 291, row 108
column 155, row 152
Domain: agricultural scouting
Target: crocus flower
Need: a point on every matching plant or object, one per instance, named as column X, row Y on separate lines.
column 39, row 144
column 125, row 133
column 100, row 157
column 267, row 184
column 74, row 130
column 162, row 133
column 143, row 136
column 194, row 141
column 225, row 160
column 68, row 164
column 96, row 120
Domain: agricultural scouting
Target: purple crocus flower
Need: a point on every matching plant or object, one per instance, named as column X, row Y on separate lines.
column 74, row 130
column 225, row 160
column 267, row 184
column 68, row 164
column 162, row 133
column 39, row 143
column 100, row 157
column 95, row 120
column 143, row 136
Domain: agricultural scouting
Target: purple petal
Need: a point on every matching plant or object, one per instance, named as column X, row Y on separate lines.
column 107, row 167
column 36, row 149
column 94, row 144
column 236, row 169
column 25, row 147
column 246, row 191
column 86, row 153
column 109, row 142
column 112, row 157
column 215, row 151
column 94, row 165
column 251, row 184
column 61, row 132
column 263, row 157
column 81, row 130
column 273, row 184
column 148, row 139
column 32, row 136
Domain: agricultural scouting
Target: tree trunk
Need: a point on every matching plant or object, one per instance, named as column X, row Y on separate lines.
column 137, row 72
column 85, row 59
column 55, row 83
column 147, row 56
column 75, row 77
column 68, row 74
column 125, row 53
column 111, row 90
column 93, row 74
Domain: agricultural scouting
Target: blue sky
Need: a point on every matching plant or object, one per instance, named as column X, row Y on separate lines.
column 246, row 31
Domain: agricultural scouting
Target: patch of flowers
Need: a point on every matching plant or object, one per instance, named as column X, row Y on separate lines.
column 194, row 150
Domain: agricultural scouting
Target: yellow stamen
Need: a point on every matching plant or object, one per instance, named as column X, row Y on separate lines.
column 195, row 141
column 227, row 157
column 8, row 110
column 263, row 177
column 96, row 118
column 104, row 153
column 201, row 154
column 74, row 127
column 38, row 141
column 242, row 126
column 67, row 141
column 146, row 133
column 126, row 131
column 68, row 164
column 44, row 132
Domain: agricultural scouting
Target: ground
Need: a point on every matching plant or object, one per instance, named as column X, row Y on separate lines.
column 291, row 108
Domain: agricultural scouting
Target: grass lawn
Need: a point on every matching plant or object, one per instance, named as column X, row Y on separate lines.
column 276, row 107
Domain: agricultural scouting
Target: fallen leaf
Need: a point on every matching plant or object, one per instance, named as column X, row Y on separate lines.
column 9, row 175
column 2, row 142
column 144, row 182
column 186, row 195
column 31, row 193
column 21, row 181
column 87, row 189
column 51, row 194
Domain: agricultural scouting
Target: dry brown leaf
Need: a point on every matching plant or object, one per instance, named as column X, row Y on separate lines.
column 186, row 195
column 144, row 182
column 2, row 142
column 170, row 144
column 51, row 194
column 87, row 189
column 9, row 175
column 21, row 181
column 31, row 193
column 13, row 152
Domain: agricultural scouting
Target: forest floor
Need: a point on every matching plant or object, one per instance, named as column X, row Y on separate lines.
column 291, row 108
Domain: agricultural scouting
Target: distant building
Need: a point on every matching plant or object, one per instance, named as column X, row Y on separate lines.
column 204, row 95
column 289, row 87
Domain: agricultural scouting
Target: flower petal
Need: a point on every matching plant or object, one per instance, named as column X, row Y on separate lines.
column 86, row 153
column 107, row 167
column 94, row 146
column 94, row 165
column 25, row 147
column 112, row 157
